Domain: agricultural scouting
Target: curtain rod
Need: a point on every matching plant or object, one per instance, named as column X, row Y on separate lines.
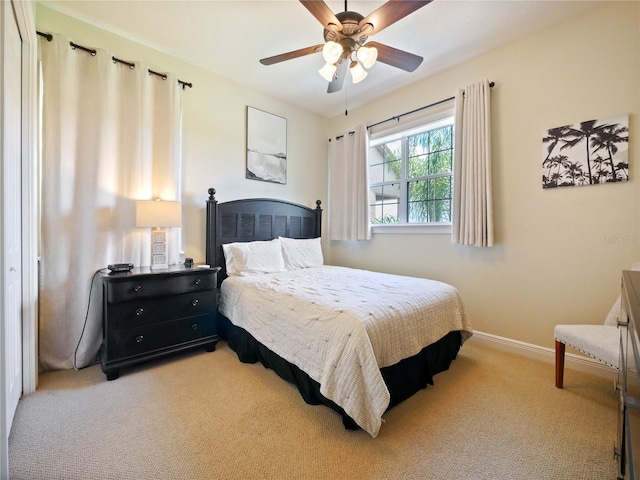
column 340, row 136
column 398, row 117
column 131, row 65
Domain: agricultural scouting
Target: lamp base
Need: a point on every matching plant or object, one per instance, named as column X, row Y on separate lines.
column 159, row 248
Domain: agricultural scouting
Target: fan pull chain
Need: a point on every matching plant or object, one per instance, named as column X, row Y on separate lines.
column 346, row 87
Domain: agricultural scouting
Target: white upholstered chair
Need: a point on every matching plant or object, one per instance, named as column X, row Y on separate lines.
column 601, row 342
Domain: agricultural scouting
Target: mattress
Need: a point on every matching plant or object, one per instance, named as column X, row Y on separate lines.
column 341, row 325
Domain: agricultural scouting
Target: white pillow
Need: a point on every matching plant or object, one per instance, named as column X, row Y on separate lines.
column 301, row 253
column 253, row 258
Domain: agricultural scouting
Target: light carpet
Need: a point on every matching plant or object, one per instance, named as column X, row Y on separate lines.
column 492, row 415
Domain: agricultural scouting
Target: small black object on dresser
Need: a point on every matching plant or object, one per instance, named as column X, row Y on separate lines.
column 151, row 313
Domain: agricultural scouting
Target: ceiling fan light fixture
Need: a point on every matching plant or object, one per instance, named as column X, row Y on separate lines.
column 367, row 56
column 332, row 51
column 346, row 33
column 328, row 71
column 357, row 72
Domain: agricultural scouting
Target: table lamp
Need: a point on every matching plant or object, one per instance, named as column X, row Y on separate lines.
column 158, row 215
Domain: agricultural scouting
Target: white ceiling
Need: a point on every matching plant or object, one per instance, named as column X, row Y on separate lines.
column 229, row 37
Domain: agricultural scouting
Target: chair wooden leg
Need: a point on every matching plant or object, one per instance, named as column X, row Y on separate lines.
column 559, row 364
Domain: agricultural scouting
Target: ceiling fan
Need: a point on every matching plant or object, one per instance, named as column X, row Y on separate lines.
column 346, row 33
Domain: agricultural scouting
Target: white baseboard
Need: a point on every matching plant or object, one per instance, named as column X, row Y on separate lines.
column 571, row 360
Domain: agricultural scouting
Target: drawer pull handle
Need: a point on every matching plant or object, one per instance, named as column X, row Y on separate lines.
column 137, row 288
column 198, row 281
column 139, row 338
column 195, row 302
column 139, row 311
column 194, row 326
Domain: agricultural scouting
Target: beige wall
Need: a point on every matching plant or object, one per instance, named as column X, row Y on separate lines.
column 214, row 131
column 552, row 263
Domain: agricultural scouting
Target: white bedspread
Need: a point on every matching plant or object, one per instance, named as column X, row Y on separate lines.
column 341, row 325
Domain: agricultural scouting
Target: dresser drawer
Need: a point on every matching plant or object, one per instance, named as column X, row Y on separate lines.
column 135, row 288
column 148, row 338
column 148, row 311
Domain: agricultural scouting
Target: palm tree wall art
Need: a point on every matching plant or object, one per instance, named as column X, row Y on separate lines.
column 588, row 153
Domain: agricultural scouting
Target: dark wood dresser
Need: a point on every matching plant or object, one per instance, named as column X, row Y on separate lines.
column 628, row 441
column 152, row 313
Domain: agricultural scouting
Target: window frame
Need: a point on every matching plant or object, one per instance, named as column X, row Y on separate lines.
column 432, row 121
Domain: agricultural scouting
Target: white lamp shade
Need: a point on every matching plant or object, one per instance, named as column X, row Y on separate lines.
column 367, row 55
column 331, row 51
column 158, row 213
column 357, row 72
column 328, row 71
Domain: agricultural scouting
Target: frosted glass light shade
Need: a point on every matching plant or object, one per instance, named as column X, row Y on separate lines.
column 367, row 55
column 158, row 213
column 357, row 72
column 328, row 71
column 331, row 52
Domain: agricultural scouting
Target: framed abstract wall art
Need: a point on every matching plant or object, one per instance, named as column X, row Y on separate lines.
column 587, row 153
column 266, row 146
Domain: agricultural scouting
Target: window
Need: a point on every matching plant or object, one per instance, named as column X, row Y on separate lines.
column 411, row 175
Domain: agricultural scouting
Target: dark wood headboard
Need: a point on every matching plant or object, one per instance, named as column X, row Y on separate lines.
column 256, row 219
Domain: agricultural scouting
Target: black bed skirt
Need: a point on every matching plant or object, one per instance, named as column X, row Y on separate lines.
column 403, row 379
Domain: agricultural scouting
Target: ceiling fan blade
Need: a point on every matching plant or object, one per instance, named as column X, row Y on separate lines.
column 323, row 13
column 338, row 80
column 389, row 13
column 290, row 55
column 396, row 58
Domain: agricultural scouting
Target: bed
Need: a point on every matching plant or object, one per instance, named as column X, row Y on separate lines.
column 356, row 341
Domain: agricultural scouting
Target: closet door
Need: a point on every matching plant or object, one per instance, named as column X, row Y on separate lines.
column 10, row 214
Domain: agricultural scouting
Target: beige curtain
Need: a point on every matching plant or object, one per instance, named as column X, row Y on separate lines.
column 110, row 136
column 472, row 205
column 349, row 186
